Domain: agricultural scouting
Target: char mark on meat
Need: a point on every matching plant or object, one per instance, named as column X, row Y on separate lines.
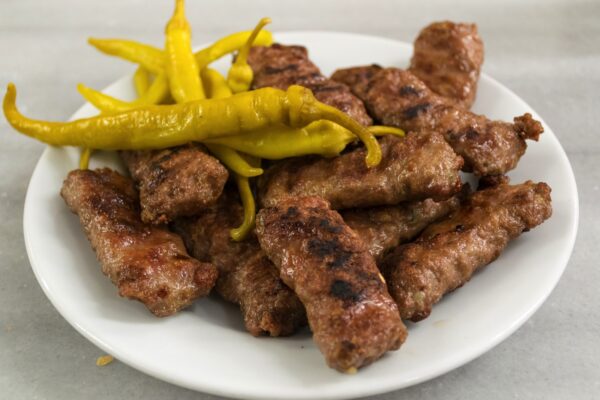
column 353, row 319
column 175, row 182
column 398, row 98
column 246, row 276
column 413, row 168
column 280, row 66
column 146, row 263
column 384, row 228
column 448, row 252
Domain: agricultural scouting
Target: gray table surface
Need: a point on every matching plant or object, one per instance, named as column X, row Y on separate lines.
column 548, row 52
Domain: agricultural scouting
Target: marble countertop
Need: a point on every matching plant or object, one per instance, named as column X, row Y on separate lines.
column 548, row 52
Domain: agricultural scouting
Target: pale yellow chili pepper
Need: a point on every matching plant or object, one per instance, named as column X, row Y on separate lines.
column 141, row 80
column 240, row 74
column 180, row 64
column 215, row 85
column 156, row 94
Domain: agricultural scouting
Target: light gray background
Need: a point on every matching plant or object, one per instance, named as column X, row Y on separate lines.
column 548, row 52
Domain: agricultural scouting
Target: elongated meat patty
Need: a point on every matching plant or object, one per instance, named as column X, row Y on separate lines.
column 448, row 58
column 246, row 276
column 146, row 263
column 448, row 252
column 383, row 228
column 398, row 98
column 175, row 182
column 280, row 66
column 353, row 318
column 413, row 168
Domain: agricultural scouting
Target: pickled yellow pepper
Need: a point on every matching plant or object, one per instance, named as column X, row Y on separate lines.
column 156, row 94
column 229, row 44
column 240, row 74
column 180, row 64
column 215, row 85
column 141, row 80
column 145, row 55
column 216, row 88
column 153, row 60
column 321, row 137
column 154, row 127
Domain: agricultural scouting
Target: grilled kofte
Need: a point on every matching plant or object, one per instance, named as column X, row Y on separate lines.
column 384, row 228
column 413, row 168
column 281, row 66
column 175, row 182
column 353, row 318
column 398, row 98
column 246, row 276
column 145, row 262
column 448, row 252
column 447, row 57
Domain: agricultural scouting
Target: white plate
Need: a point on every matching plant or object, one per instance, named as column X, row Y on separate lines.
column 206, row 348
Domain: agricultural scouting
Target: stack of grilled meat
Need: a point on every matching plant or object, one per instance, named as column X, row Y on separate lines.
column 351, row 251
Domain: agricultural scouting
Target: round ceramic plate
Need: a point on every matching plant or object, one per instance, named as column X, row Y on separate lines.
column 206, row 348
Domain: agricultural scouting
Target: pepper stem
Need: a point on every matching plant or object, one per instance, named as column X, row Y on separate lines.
column 367, row 137
column 233, row 160
column 380, row 130
column 242, row 56
column 84, row 158
column 240, row 233
column 304, row 108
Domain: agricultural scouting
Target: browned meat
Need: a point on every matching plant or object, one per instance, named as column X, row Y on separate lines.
column 413, row 168
column 357, row 78
column 281, row 66
column 175, row 182
column 353, row 318
column 384, row 228
column 489, row 181
column 246, row 276
column 448, row 58
column 398, row 98
column 145, row 262
column 448, row 252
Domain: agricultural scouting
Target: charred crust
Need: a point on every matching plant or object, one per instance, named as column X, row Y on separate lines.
column 323, row 248
column 340, row 259
column 408, row 90
column 343, row 290
column 158, row 175
column 326, row 225
column 291, row 212
column 413, row 112
column 326, row 88
column 329, row 248
column 348, row 345
column 471, row 134
column 276, row 70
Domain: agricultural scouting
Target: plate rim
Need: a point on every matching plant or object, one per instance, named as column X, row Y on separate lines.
column 261, row 394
